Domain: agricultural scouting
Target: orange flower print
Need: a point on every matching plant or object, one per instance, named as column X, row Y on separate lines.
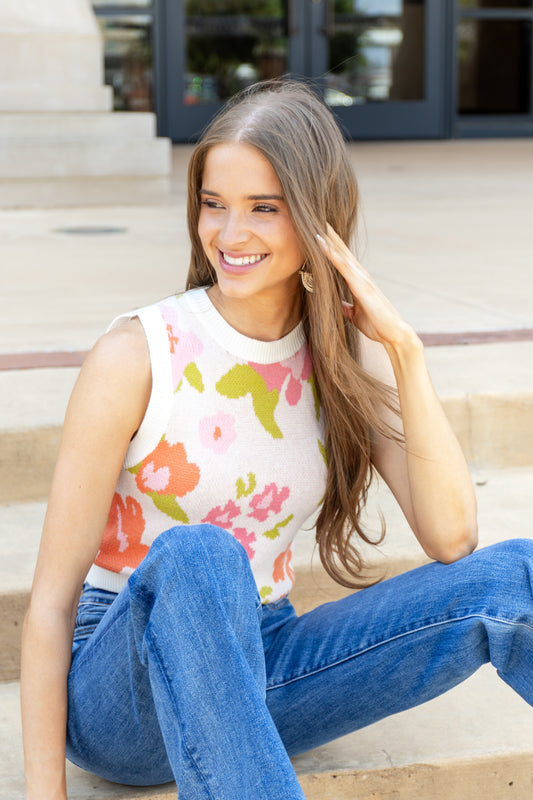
column 282, row 567
column 166, row 471
column 125, row 526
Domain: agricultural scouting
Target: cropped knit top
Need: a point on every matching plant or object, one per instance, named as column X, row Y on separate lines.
column 232, row 436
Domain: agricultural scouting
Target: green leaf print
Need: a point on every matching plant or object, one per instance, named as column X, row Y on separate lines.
column 264, row 592
column 242, row 491
column 242, row 380
column 192, row 373
column 323, row 453
column 273, row 533
column 168, row 505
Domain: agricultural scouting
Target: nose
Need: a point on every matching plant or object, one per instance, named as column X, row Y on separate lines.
column 234, row 230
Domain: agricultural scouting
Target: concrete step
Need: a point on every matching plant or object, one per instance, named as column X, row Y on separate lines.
column 82, row 159
column 474, row 742
column 88, row 190
column 53, row 127
column 87, row 158
column 486, row 391
column 505, row 500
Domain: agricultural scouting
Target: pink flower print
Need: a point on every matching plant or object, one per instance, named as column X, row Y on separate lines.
column 218, row 432
column 268, row 502
column 273, row 374
column 300, row 367
column 246, row 539
column 155, row 480
column 185, row 347
column 223, row 517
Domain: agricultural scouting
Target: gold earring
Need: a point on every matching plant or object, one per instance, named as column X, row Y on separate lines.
column 306, row 278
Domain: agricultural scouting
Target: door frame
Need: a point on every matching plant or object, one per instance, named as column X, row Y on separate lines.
column 486, row 125
column 396, row 119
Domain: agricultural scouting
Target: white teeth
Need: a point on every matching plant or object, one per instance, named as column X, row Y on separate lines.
column 241, row 262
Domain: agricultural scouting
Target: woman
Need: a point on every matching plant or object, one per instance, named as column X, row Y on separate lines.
column 202, row 432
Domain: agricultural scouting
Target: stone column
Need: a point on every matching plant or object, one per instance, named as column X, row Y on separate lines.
column 51, row 57
column 60, row 142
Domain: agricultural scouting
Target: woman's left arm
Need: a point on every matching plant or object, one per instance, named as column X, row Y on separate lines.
column 428, row 474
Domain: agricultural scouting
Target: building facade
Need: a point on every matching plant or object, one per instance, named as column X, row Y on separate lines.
column 389, row 69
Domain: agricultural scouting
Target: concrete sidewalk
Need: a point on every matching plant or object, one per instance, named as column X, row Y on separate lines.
column 447, row 231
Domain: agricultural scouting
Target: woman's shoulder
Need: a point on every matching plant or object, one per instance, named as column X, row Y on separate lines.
column 121, row 357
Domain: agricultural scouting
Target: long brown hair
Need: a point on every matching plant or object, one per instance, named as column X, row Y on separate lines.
column 290, row 126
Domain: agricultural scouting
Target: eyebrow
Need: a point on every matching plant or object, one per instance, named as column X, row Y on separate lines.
column 250, row 197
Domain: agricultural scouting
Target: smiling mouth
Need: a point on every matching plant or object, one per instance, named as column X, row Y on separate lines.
column 243, row 261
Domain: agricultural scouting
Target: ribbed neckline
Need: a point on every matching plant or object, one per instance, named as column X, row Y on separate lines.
column 236, row 343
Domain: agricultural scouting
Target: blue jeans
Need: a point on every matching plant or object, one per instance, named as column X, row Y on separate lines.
column 185, row 676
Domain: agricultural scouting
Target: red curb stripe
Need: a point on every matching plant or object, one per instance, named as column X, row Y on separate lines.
column 65, row 358
column 476, row 337
column 58, row 358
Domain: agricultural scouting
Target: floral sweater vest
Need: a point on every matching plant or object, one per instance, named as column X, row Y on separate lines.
column 232, row 436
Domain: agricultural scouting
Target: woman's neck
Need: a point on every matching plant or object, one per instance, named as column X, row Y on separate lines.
column 258, row 318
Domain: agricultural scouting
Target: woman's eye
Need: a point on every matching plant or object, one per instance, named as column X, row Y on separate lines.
column 265, row 208
column 210, row 203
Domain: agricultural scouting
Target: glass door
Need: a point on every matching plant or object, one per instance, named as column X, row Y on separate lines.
column 379, row 62
column 382, row 63
column 217, row 47
column 126, row 27
column 494, row 88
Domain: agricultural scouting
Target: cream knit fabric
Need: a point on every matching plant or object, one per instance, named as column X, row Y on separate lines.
column 232, row 436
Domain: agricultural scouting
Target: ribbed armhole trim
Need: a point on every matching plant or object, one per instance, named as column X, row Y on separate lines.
column 159, row 406
column 102, row 578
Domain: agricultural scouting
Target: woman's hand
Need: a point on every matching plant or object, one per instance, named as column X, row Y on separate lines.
column 371, row 311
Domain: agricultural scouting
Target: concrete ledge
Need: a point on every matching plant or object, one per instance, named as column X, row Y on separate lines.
column 89, row 191
column 505, row 503
column 71, row 98
column 474, row 742
column 494, row 432
column 100, row 158
column 64, row 126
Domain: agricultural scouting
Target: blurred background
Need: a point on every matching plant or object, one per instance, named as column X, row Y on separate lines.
column 388, row 68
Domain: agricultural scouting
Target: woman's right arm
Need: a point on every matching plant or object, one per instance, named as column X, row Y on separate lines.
column 106, row 408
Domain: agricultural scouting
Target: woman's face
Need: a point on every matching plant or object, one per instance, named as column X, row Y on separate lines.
column 245, row 227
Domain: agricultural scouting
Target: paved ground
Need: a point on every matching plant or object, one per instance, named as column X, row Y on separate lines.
column 446, row 230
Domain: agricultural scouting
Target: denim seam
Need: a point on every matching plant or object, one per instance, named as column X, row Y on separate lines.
column 344, row 659
column 163, row 673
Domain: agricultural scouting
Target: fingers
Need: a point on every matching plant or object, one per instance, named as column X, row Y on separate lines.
column 339, row 254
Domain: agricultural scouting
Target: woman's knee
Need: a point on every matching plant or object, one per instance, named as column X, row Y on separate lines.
column 193, row 544
column 504, row 573
column 193, row 556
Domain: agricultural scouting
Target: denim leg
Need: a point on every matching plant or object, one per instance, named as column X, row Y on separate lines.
column 172, row 682
column 400, row 643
